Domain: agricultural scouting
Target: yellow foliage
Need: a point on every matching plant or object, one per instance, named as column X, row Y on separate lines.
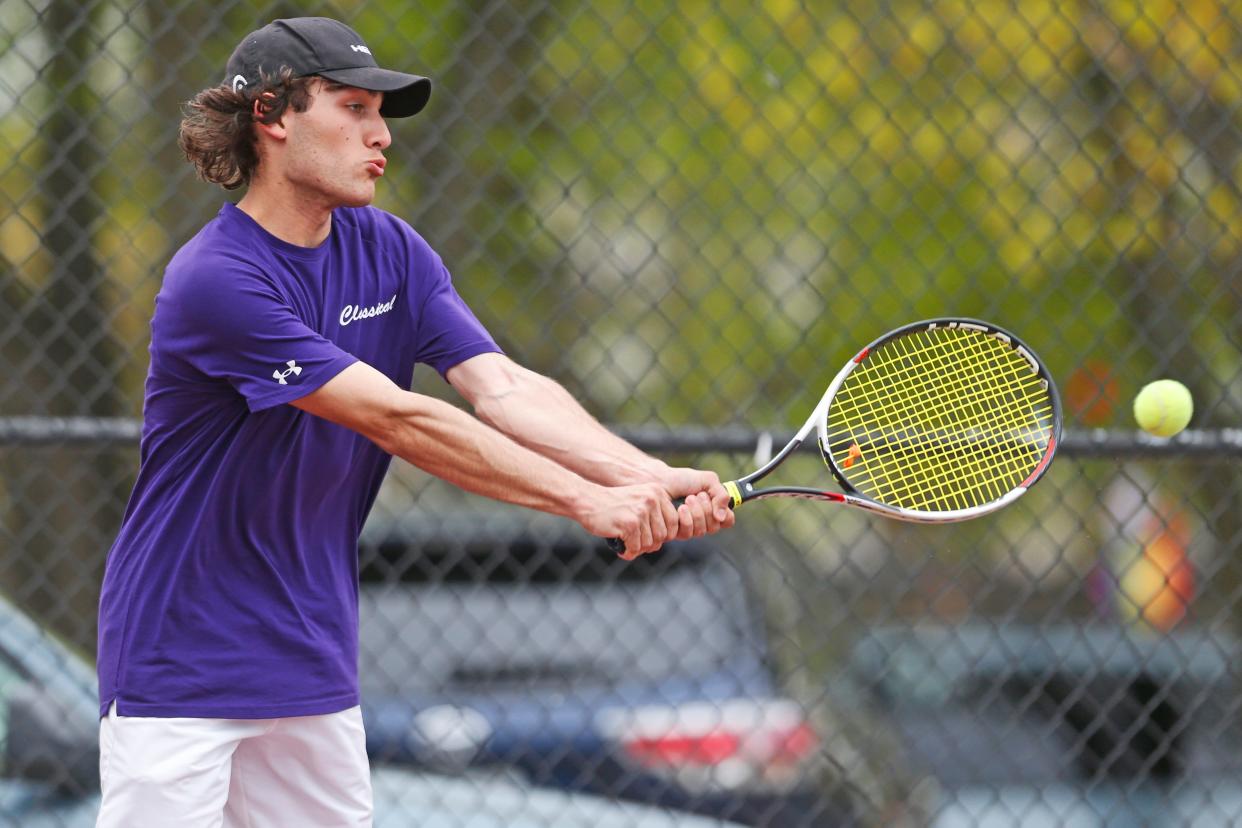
column 1017, row 253
column 718, row 86
column 928, row 142
column 1221, row 205
column 781, row 114
column 757, row 138
column 19, row 239
column 927, row 33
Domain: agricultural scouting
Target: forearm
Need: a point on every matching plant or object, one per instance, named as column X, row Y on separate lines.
column 541, row 415
column 450, row 444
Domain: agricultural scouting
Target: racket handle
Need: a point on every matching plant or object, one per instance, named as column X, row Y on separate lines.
column 618, row 546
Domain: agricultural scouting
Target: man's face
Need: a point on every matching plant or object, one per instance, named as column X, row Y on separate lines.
column 334, row 150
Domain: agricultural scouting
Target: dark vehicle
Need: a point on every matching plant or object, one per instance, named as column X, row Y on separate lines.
column 1062, row 725
column 518, row 641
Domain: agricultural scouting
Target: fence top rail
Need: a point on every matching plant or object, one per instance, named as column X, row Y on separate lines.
column 1220, row 444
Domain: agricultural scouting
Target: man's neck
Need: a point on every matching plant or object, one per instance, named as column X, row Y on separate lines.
column 280, row 211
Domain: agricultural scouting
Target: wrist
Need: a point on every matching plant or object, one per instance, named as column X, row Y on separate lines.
column 585, row 500
column 657, row 471
column 614, row 470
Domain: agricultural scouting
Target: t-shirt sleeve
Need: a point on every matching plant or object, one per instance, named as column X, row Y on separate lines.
column 448, row 331
column 231, row 324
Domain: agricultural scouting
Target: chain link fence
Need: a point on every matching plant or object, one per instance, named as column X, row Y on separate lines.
column 691, row 214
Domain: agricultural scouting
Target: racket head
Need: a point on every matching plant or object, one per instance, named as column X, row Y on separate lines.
column 940, row 421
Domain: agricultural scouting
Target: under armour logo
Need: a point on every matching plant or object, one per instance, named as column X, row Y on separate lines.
column 293, row 368
column 360, row 48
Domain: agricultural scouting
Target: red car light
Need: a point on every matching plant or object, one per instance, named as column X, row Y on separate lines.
column 707, row 749
column 705, row 745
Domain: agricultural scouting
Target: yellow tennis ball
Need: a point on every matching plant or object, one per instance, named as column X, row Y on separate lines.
column 1163, row 407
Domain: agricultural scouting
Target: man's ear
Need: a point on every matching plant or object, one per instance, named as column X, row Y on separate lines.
column 275, row 130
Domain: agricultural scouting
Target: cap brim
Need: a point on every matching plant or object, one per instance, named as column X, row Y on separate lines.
column 404, row 95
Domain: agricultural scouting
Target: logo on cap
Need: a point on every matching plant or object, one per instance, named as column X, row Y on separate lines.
column 238, row 82
column 360, row 48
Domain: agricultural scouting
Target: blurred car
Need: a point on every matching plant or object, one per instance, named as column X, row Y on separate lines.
column 510, row 639
column 1061, row 725
column 49, row 730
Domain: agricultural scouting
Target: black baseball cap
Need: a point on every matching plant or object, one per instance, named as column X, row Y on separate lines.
column 327, row 48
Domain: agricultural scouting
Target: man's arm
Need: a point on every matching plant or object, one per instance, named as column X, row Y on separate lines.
column 541, row 415
column 450, row 444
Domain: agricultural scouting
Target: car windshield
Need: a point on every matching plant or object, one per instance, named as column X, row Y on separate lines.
column 470, row 606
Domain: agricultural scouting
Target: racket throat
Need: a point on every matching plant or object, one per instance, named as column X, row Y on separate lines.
column 748, row 492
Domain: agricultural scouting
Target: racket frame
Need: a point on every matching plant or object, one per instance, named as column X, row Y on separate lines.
column 743, row 489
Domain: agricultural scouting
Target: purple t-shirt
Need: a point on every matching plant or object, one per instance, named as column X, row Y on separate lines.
column 232, row 588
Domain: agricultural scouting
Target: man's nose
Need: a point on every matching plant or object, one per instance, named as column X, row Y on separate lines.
column 381, row 138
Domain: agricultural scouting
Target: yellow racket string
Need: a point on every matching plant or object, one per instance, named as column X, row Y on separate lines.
column 939, row 420
column 954, row 437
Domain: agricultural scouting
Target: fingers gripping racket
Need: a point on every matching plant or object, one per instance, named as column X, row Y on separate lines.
column 936, row 422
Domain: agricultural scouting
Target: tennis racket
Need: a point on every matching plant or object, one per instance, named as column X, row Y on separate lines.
column 936, row 422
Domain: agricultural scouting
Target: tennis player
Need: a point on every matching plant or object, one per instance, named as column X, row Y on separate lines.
column 283, row 336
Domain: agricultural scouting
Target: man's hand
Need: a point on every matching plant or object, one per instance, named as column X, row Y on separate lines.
column 708, row 506
column 642, row 516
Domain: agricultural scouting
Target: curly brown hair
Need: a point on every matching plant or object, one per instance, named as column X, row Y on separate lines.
column 217, row 133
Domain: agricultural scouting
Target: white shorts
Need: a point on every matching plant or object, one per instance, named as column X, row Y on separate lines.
column 306, row 771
